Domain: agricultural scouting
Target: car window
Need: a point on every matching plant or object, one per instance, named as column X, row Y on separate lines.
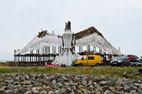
column 121, row 58
column 79, row 58
column 91, row 58
column 83, row 58
column 125, row 58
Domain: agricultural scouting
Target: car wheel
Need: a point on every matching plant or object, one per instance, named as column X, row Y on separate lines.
column 122, row 64
column 128, row 65
column 97, row 64
column 131, row 65
column 112, row 65
column 80, row 64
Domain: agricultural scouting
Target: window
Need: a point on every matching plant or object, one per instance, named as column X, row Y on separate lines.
column 91, row 58
column 83, row 58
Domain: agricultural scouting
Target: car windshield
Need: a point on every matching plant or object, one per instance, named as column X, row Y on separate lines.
column 79, row 58
column 120, row 58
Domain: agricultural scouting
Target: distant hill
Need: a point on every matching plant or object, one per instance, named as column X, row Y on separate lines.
column 5, row 61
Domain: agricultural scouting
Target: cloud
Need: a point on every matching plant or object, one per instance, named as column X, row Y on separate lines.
column 118, row 20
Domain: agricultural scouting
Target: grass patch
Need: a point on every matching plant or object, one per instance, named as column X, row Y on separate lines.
column 3, row 64
column 96, row 71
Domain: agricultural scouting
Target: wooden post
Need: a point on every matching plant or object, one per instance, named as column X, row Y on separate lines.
column 14, row 56
column 48, row 50
column 24, row 60
column 88, row 48
column 53, row 50
column 94, row 49
column 40, row 60
column 80, row 49
column 100, row 50
column 30, row 59
column 43, row 50
column 19, row 60
column 37, row 51
column 59, row 49
column 36, row 59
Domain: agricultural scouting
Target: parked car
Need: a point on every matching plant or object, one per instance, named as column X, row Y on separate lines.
column 135, row 62
column 50, row 65
column 140, row 60
column 120, row 61
column 88, row 60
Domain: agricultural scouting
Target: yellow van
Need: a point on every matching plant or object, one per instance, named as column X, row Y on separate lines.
column 88, row 60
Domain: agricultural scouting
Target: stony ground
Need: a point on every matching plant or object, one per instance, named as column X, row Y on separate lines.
column 22, row 83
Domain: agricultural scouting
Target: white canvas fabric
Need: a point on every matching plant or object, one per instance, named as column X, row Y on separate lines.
column 66, row 57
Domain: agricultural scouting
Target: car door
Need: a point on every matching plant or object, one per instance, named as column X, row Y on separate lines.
column 126, row 61
column 84, row 61
column 91, row 60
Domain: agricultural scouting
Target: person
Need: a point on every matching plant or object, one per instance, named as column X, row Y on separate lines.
column 69, row 25
column 66, row 26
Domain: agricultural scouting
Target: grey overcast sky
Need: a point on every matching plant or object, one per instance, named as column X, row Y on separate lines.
column 120, row 21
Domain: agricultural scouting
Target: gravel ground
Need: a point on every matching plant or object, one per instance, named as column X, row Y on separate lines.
column 26, row 83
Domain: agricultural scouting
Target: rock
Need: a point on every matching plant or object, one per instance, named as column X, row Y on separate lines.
column 40, row 88
column 2, row 84
column 23, row 90
column 53, row 81
column 139, row 91
column 15, row 91
column 84, row 91
column 58, row 92
column 23, row 83
column 37, row 84
column 111, row 88
column 26, row 77
column 111, row 83
column 43, row 92
column 28, row 92
column 73, row 87
column 107, row 92
column 96, row 92
column 51, row 92
column 35, row 90
column 64, row 78
column 133, row 92
column 26, row 82
column 17, row 78
column 84, row 81
column 15, row 83
column 8, row 92
column 10, row 86
column 50, row 78
column 45, row 82
column 136, row 84
column 2, row 89
column 104, row 88
column 9, row 81
column 127, row 88
column 2, row 78
column 69, row 90
column 133, row 87
column 140, row 86
column 118, row 87
column 90, row 87
column 22, row 79
column 103, row 83
column 119, row 92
